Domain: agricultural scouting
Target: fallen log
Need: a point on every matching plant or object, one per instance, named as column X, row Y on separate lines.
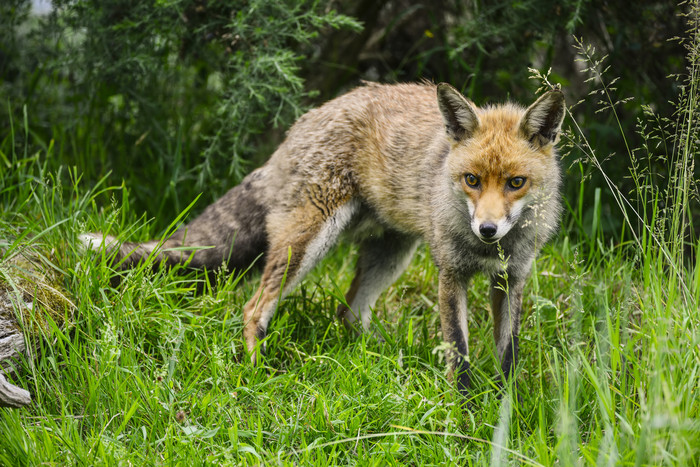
column 29, row 296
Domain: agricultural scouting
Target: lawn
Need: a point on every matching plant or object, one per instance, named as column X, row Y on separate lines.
column 152, row 369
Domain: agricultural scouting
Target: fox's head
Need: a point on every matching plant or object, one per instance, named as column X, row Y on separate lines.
column 502, row 158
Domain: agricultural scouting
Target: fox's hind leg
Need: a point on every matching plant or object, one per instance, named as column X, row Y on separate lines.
column 299, row 239
column 381, row 261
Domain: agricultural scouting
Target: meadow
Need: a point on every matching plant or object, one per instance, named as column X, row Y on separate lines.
column 147, row 366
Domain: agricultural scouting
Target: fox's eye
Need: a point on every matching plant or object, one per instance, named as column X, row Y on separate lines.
column 516, row 182
column 471, row 180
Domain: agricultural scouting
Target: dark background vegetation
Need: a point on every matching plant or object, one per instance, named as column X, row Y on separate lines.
column 181, row 97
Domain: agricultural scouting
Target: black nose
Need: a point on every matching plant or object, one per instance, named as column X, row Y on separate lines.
column 487, row 229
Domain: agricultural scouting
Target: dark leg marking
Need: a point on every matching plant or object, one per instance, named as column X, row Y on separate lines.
column 510, row 357
column 462, row 376
column 453, row 318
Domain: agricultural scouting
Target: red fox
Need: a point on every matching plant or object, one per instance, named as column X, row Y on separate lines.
column 394, row 165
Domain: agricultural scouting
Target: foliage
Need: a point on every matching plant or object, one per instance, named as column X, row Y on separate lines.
column 171, row 92
column 13, row 13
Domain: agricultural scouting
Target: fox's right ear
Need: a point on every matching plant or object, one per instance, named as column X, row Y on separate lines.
column 459, row 114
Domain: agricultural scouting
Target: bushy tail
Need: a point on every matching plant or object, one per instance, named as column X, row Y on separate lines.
column 129, row 254
column 233, row 230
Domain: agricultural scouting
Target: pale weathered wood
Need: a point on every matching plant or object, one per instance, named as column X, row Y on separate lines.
column 12, row 345
column 12, row 396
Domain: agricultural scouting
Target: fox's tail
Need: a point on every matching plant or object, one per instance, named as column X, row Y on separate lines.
column 129, row 254
column 233, row 231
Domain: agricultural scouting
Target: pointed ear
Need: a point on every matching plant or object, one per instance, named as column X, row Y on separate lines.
column 459, row 113
column 542, row 120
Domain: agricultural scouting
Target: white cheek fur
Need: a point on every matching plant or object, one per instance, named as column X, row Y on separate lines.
column 470, row 206
column 517, row 209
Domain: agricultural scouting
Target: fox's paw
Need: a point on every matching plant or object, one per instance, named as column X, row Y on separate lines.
column 346, row 316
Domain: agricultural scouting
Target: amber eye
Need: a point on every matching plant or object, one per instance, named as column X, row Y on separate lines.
column 516, row 182
column 471, row 180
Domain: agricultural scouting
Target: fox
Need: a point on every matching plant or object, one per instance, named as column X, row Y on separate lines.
column 393, row 165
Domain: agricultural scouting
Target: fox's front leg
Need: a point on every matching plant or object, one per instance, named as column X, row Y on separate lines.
column 506, row 306
column 453, row 318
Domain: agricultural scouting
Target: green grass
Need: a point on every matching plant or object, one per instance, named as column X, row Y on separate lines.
column 151, row 372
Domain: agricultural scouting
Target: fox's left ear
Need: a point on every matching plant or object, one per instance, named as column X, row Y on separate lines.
column 542, row 120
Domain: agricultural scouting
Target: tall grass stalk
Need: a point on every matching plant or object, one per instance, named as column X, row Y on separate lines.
column 657, row 342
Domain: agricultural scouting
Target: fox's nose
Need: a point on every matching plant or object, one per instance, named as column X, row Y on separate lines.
column 488, row 229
